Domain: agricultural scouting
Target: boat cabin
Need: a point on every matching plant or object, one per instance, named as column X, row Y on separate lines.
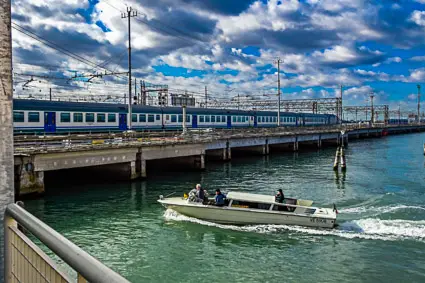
column 265, row 202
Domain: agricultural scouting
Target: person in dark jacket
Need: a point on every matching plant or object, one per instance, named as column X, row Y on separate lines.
column 219, row 198
column 279, row 198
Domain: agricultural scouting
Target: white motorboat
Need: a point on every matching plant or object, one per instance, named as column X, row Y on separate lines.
column 251, row 209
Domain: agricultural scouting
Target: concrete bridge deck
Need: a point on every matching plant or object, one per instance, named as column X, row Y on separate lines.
column 131, row 153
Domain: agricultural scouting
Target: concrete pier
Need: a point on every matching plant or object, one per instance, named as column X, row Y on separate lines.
column 133, row 158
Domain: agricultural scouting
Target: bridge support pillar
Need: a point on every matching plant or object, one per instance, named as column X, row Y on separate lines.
column 199, row 161
column 228, row 153
column 143, row 168
column 296, row 145
column 30, row 181
column 133, row 171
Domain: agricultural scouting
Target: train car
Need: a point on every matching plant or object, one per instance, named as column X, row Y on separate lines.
column 39, row 116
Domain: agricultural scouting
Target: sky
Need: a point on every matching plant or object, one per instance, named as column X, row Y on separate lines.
column 230, row 46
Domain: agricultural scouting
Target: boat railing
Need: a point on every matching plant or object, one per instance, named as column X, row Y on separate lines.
column 26, row 262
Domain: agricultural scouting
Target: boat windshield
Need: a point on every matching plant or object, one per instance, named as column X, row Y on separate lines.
column 253, row 205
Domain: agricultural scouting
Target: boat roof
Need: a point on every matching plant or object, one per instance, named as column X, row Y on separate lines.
column 261, row 198
column 250, row 197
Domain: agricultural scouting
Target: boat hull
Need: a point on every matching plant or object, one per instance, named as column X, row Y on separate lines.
column 226, row 215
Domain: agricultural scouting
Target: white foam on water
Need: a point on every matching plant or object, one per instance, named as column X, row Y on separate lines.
column 369, row 228
column 379, row 209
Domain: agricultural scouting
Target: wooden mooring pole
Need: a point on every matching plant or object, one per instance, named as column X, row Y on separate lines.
column 336, row 162
column 343, row 161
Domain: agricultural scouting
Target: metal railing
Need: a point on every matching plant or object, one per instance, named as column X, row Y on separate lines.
column 25, row 262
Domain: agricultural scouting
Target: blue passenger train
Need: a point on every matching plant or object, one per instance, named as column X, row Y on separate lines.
column 39, row 116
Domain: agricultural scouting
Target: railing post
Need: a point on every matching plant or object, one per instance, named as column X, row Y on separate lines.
column 8, row 222
column 6, row 126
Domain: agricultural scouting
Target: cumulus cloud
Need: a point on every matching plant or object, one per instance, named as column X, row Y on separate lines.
column 322, row 43
column 418, row 17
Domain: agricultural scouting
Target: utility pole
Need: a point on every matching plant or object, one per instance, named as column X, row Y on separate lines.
column 130, row 14
column 135, row 91
column 278, row 61
column 238, row 101
column 399, row 115
column 372, row 114
column 50, row 94
column 340, row 103
column 7, row 190
column 206, row 97
column 419, row 103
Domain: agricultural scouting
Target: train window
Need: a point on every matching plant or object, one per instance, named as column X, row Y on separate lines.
column 142, row 118
column 78, row 117
column 233, row 119
column 180, row 119
column 223, row 118
column 18, row 116
column 207, row 119
column 188, row 118
column 151, row 118
column 65, row 117
column 101, row 118
column 167, row 117
column 239, row 119
column 201, row 119
column 158, row 117
column 212, row 119
column 33, row 117
column 89, row 117
column 173, row 118
column 218, row 119
column 112, row 118
column 134, row 118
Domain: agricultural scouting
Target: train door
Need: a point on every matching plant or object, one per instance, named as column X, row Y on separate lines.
column 255, row 121
column 229, row 121
column 122, row 122
column 50, row 122
column 194, row 121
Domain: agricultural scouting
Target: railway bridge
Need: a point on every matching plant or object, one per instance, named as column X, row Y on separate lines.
column 131, row 155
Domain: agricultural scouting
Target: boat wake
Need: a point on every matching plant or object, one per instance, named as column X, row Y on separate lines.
column 368, row 228
column 379, row 210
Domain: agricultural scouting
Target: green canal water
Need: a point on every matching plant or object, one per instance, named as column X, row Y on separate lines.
column 381, row 237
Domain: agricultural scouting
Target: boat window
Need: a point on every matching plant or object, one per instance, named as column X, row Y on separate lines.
column 151, row 118
column 33, row 117
column 253, row 205
column 101, row 118
column 78, row 117
column 65, row 117
column 18, row 116
column 112, row 118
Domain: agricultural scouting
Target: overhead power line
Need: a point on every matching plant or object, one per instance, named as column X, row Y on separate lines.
column 57, row 47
